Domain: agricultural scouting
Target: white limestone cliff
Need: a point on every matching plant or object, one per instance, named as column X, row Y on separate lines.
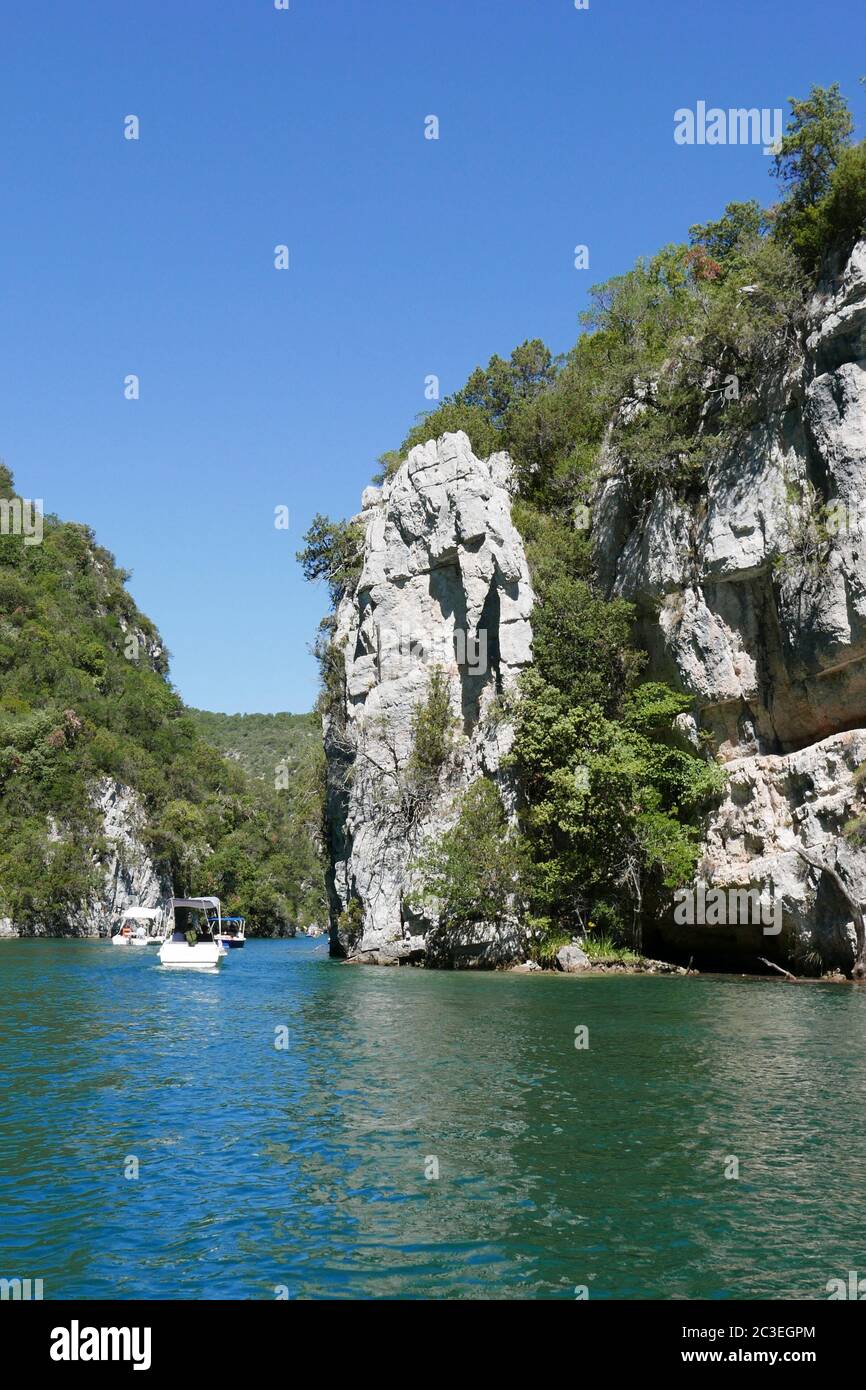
column 752, row 599
column 130, row 878
column 444, row 585
column 754, row 602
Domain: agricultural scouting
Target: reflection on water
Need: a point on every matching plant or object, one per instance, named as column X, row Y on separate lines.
column 305, row 1168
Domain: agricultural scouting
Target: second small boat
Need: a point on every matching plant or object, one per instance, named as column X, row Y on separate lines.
column 138, row 927
column 232, row 932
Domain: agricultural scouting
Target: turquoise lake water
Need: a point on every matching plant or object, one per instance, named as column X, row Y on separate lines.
column 306, row 1169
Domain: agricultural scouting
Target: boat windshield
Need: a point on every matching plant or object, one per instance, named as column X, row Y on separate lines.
column 192, row 924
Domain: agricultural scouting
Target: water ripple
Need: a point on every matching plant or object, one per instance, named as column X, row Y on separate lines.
column 424, row 1135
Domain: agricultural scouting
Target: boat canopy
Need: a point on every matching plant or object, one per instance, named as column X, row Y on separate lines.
column 141, row 914
column 203, row 903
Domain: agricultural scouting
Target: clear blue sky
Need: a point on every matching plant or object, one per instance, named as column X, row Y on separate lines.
column 408, row 256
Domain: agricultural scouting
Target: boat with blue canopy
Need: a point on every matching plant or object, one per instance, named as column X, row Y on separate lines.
column 232, row 932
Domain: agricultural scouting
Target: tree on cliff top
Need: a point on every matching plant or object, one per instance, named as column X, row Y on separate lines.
column 818, row 131
column 824, row 179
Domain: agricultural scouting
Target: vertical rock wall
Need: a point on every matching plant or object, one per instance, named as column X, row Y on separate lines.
column 767, row 631
column 444, row 586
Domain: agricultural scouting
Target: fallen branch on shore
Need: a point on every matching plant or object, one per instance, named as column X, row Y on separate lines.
column 773, row 966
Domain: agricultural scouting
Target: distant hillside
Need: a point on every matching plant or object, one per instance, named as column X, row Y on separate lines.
column 85, row 703
column 260, row 742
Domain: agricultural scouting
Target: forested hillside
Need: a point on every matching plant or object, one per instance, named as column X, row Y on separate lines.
column 281, row 754
column 267, row 746
column 85, row 696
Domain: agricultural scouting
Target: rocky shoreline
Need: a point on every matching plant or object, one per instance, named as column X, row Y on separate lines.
column 613, row 966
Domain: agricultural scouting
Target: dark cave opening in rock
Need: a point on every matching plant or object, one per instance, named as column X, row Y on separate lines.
column 476, row 653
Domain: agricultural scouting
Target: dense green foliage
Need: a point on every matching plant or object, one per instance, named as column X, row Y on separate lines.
column 823, row 178
column 283, row 753
column 667, row 375
column 84, row 695
column 432, row 728
column 474, row 871
column 332, row 551
column 612, row 806
column 261, row 743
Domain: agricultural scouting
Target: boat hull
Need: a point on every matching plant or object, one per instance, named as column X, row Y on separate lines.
column 230, row 943
column 204, row 955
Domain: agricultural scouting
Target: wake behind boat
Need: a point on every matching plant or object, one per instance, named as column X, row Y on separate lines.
column 192, row 934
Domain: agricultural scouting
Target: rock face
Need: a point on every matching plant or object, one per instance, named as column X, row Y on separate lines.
column 752, row 599
column 130, row 878
column 754, row 602
column 783, row 817
column 444, row 587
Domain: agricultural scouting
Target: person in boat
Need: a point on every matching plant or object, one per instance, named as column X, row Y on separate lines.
column 190, row 925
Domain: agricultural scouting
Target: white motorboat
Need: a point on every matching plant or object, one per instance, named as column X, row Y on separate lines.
column 138, row 927
column 192, row 934
column 232, row 932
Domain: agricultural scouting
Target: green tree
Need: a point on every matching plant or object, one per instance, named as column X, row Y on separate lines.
column 472, row 871
column 740, row 224
column 452, row 415
column 333, row 551
column 611, row 808
column 433, row 726
column 818, row 131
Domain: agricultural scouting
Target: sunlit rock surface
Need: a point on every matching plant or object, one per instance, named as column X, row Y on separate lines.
column 444, row 585
column 735, row 606
column 770, row 640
